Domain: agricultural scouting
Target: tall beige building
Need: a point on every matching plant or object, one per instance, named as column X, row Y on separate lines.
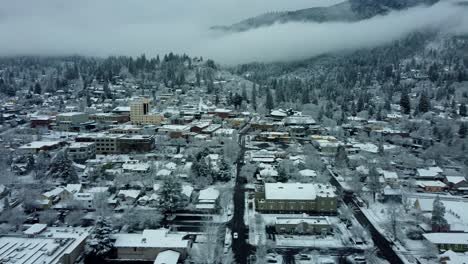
column 140, row 112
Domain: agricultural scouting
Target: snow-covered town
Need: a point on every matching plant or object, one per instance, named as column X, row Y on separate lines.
column 358, row 156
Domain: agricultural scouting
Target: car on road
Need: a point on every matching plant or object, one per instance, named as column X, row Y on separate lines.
column 235, row 235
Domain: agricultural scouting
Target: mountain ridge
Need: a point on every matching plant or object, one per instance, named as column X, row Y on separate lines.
column 347, row 11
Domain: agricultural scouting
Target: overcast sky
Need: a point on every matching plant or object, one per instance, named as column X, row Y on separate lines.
column 114, row 27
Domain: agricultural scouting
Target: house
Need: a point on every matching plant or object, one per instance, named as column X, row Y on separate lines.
column 51, row 245
column 41, row 122
column 148, row 245
column 129, row 196
column 432, row 186
column 457, row 183
column 390, row 177
column 308, row 173
column 296, row 198
column 392, row 194
column 306, row 225
column 207, row 199
column 450, row 257
column 56, row 195
column 456, row 210
column 457, row 242
column 167, row 257
column 136, row 167
column 432, row 173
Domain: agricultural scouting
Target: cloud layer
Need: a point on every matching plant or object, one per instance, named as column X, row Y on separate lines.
column 114, row 27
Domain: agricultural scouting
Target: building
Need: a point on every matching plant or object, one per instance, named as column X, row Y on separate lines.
column 71, row 121
column 148, row 245
column 296, row 198
column 306, row 225
column 110, row 118
column 37, row 146
column 140, row 112
column 41, row 122
column 457, row 242
column 82, row 151
column 135, row 143
column 107, row 144
column 53, row 245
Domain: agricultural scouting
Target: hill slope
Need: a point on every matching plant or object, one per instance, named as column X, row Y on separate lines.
column 348, row 11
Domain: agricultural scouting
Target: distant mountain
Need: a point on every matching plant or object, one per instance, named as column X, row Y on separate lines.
column 348, row 11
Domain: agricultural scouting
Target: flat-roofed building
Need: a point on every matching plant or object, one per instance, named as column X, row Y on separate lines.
column 51, row 245
column 81, row 151
column 296, row 198
column 71, row 121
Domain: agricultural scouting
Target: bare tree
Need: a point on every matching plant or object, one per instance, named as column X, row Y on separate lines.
column 210, row 252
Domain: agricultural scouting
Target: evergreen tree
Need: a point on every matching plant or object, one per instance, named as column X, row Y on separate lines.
column 305, row 96
column 341, row 159
column 438, row 221
column 462, row 111
column 170, row 195
column 37, row 88
column 62, row 168
column 244, row 93
column 373, row 182
column 462, row 130
column 100, row 243
column 424, row 103
column 269, row 101
column 253, row 97
column 224, row 170
column 405, row 103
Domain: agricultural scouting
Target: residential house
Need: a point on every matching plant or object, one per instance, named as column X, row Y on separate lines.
column 148, row 245
column 306, row 225
column 457, row 242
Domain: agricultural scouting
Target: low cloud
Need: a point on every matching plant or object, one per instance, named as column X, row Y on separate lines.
column 117, row 27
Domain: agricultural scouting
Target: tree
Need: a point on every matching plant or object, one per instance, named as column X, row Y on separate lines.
column 394, row 215
column 253, row 97
column 341, row 159
column 462, row 110
column 100, row 243
column 62, row 168
column 405, row 103
column 170, row 195
column 373, row 182
column 37, row 88
column 137, row 220
column 224, row 170
column 269, row 101
column 438, row 221
column 424, row 103
column 231, row 150
column 210, row 251
column 462, row 130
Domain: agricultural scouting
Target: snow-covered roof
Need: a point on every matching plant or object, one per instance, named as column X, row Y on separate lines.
column 209, row 193
column 269, row 172
column 431, row 184
column 455, row 179
column 53, row 193
column 187, row 190
column 40, row 144
column 136, row 166
column 151, row 238
column 429, row 172
column 129, row 193
column 450, row 257
column 73, row 188
column 389, row 174
column 167, row 257
column 313, row 220
column 35, row 229
column 368, row 147
column 308, row 173
column 447, row 238
column 164, row 173
column 297, row 191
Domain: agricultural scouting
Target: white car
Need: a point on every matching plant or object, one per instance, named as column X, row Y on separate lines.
column 235, row 235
